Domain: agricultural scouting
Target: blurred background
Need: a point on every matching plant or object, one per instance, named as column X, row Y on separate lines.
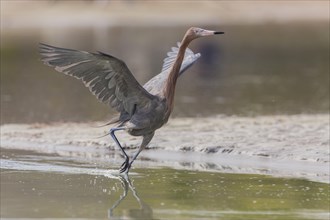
column 273, row 59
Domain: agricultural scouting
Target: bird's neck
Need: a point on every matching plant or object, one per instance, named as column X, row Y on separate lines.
column 169, row 88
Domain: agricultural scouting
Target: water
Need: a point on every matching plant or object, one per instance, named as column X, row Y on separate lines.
column 251, row 70
column 35, row 185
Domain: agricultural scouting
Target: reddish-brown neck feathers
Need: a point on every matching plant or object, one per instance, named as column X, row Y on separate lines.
column 174, row 73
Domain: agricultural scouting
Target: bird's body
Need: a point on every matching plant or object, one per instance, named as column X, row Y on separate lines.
column 142, row 109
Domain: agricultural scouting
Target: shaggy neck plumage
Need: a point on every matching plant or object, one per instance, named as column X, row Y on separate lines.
column 174, row 73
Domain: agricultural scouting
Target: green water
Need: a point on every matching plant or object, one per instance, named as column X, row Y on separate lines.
column 34, row 186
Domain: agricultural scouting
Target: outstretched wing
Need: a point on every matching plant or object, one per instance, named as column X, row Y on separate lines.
column 107, row 77
column 155, row 85
column 189, row 59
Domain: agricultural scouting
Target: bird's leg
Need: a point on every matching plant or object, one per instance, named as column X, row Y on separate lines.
column 126, row 162
column 146, row 139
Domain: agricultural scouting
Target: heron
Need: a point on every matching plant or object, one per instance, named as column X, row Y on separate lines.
column 141, row 109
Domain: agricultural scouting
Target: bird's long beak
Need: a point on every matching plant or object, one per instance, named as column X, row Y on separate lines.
column 209, row 32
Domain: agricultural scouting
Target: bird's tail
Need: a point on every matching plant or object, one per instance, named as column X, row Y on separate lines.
column 102, row 136
column 113, row 120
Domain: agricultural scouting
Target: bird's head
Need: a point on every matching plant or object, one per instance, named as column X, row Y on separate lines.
column 195, row 32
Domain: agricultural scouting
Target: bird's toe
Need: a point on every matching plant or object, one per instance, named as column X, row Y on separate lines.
column 124, row 169
column 124, row 166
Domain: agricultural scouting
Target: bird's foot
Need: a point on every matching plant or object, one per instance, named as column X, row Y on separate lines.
column 125, row 166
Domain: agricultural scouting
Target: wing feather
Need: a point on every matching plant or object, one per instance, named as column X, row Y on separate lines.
column 189, row 58
column 157, row 83
column 107, row 77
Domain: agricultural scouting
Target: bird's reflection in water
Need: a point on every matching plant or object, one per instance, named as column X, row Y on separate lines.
column 145, row 212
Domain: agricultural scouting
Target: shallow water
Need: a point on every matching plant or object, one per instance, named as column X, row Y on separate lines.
column 39, row 185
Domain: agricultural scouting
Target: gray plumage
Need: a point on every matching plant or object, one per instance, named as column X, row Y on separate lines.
column 142, row 110
column 154, row 84
column 110, row 80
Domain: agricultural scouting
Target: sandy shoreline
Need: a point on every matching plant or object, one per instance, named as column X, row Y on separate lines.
column 286, row 143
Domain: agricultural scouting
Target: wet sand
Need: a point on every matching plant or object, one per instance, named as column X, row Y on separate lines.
column 296, row 145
